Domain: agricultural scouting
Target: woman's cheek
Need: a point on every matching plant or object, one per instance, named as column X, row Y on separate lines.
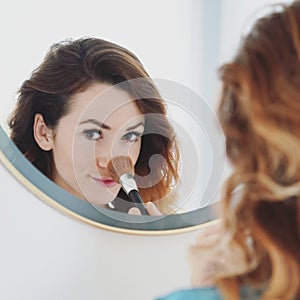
column 83, row 150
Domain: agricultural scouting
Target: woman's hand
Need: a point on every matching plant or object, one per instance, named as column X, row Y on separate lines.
column 210, row 258
column 151, row 208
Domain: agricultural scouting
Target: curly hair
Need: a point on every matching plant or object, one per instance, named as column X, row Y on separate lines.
column 260, row 114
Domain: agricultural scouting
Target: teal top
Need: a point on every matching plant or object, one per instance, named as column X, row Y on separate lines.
column 211, row 293
column 194, row 294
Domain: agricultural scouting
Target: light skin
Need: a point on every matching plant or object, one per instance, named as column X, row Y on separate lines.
column 211, row 257
column 103, row 122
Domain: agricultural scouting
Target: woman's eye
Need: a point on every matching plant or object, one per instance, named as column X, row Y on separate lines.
column 93, row 134
column 131, row 136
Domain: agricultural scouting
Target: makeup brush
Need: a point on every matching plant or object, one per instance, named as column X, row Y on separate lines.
column 121, row 170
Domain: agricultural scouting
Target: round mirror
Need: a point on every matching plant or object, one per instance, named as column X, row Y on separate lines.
column 178, row 70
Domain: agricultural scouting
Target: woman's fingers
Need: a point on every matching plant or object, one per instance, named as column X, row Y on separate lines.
column 210, row 235
column 152, row 209
column 134, row 211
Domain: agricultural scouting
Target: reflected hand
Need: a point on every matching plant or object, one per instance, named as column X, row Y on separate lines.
column 151, row 208
column 210, row 258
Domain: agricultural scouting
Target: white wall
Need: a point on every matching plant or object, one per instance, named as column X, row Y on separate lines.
column 45, row 255
column 237, row 18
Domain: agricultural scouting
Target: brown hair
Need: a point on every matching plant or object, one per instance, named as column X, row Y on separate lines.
column 72, row 66
column 260, row 115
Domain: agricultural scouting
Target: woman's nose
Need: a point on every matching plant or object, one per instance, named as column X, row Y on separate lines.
column 103, row 153
column 102, row 161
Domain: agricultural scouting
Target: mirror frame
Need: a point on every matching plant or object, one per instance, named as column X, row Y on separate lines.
column 67, row 204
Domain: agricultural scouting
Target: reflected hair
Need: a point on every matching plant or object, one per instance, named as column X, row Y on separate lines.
column 72, row 66
column 260, row 115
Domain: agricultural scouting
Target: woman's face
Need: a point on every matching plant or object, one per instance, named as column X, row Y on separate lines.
column 103, row 122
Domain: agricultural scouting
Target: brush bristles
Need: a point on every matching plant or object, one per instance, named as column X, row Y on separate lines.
column 118, row 166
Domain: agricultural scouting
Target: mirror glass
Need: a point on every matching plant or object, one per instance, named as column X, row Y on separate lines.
column 181, row 55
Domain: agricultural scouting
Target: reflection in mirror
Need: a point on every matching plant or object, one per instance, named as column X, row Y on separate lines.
column 57, row 128
column 91, row 100
column 84, row 106
column 190, row 185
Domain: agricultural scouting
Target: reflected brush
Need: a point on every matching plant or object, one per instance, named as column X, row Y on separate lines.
column 121, row 170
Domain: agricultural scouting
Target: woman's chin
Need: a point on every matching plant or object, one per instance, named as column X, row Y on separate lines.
column 100, row 200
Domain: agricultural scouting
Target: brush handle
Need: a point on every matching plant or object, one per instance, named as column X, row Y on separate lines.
column 135, row 197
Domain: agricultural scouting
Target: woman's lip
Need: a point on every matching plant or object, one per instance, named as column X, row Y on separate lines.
column 107, row 182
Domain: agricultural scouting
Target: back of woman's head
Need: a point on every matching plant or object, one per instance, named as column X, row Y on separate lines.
column 259, row 113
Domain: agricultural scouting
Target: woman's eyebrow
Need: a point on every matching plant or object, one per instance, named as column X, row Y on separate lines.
column 135, row 126
column 95, row 122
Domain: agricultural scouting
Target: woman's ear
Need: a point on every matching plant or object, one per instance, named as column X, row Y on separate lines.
column 42, row 134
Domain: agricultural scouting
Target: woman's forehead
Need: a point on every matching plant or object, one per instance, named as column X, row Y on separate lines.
column 103, row 98
column 105, row 104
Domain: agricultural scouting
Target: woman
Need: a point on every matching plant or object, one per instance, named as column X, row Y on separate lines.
column 257, row 252
column 88, row 96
